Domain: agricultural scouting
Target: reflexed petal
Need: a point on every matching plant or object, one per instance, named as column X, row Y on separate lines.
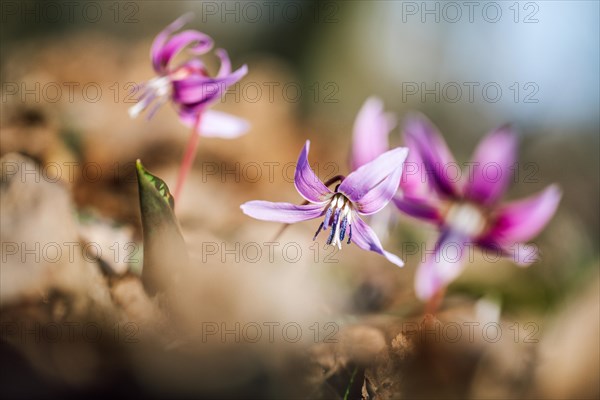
column 371, row 129
column 520, row 253
column 492, row 163
column 161, row 39
column 421, row 136
column 164, row 48
column 361, row 181
column 216, row 124
column 282, row 212
column 225, row 68
column 307, row 182
column 418, row 208
column 364, row 237
column 380, row 195
column 442, row 266
column 197, row 90
column 522, row 220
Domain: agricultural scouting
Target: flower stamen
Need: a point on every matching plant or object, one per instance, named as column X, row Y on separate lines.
column 337, row 217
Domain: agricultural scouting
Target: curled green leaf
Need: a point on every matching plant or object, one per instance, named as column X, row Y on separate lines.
column 165, row 253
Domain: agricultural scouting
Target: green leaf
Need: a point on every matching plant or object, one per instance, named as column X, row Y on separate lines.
column 158, row 183
column 165, row 253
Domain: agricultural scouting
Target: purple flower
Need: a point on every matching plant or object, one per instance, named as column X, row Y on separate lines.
column 188, row 84
column 469, row 212
column 365, row 191
column 190, row 89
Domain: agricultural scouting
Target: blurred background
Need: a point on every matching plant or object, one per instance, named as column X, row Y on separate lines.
column 67, row 68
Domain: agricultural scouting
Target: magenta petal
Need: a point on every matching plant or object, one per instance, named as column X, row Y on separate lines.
column 366, row 178
column 282, row 212
column 364, row 237
column 442, row 266
column 164, row 49
column 421, row 136
column 225, row 68
column 371, row 129
column 307, row 182
column 520, row 253
column 522, row 220
column 156, row 51
column 492, row 163
column 414, row 179
column 418, row 208
column 197, row 90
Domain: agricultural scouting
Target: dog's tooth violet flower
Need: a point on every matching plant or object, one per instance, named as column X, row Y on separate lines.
column 470, row 213
column 190, row 88
column 364, row 191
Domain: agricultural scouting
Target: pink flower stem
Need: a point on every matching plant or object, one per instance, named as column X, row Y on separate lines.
column 435, row 301
column 188, row 157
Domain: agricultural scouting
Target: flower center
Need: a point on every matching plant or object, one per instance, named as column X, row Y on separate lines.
column 466, row 218
column 339, row 217
column 156, row 88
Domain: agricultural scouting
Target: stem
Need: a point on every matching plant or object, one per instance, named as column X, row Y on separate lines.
column 347, row 394
column 188, row 157
column 434, row 302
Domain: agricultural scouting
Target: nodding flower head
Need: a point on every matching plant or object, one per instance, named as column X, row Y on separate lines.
column 188, row 85
column 364, row 191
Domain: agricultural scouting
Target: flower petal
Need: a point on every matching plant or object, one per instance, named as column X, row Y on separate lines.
column 413, row 182
column 366, row 178
column 282, row 212
column 371, row 129
column 442, row 266
column 307, row 182
column 420, row 135
column 520, row 253
column 418, row 208
column 216, row 124
column 225, row 68
column 197, row 90
column 380, row 195
column 164, row 48
column 522, row 220
column 161, row 39
column 494, row 157
column 364, row 237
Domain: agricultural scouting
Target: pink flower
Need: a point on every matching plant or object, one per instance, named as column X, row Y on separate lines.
column 188, row 85
column 190, row 89
column 470, row 212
